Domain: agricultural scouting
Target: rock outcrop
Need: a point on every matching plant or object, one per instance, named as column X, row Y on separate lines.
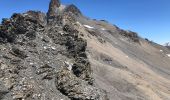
column 73, row 9
column 53, row 8
column 34, row 49
column 167, row 45
column 76, row 89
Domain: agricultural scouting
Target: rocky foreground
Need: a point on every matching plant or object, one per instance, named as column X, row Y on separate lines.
column 62, row 55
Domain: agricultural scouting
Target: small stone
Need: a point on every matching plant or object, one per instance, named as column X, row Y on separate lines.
column 31, row 63
column 3, row 66
column 68, row 65
column 39, row 95
column 53, row 48
column 18, row 96
column 45, row 47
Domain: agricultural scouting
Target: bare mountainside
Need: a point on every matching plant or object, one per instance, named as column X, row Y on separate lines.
column 63, row 55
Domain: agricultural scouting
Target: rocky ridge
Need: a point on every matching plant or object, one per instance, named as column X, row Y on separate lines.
column 63, row 55
column 43, row 57
column 167, row 45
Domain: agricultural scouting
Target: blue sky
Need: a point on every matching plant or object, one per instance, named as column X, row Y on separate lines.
column 149, row 18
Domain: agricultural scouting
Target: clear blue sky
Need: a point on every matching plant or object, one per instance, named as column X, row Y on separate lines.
column 150, row 18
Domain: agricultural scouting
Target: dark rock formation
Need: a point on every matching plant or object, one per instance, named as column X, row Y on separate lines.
column 167, row 45
column 39, row 16
column 73, row 9
column 53, row 10
column 33, row 51
column 130, row 35
column 19, row 24
column 76, row 89
column 53, row 6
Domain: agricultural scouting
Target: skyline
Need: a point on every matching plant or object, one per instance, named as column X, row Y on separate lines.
column 150, row 19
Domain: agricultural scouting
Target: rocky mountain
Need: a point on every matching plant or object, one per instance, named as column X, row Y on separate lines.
column 167, row 45
column 63, row 55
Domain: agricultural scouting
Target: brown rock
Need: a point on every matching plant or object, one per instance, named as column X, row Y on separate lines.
column 54, row 4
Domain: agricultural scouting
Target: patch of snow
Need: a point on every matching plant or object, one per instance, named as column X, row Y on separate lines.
column 161, row 50
column 168, row 55
column 87, row 26
column 103, row 29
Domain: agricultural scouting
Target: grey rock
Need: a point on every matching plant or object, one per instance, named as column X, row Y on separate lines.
column 53, row 10
column 73, row 9
column 77, row 89
column 33, row 50
column 3, row 90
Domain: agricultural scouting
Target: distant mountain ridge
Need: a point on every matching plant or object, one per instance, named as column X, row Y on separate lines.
column 167, row 44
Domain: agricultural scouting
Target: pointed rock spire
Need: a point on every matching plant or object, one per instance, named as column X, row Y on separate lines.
column 53, row 6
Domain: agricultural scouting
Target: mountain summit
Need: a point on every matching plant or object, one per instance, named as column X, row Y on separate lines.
column 63, row 55
column 167, row 44
column 53, row 8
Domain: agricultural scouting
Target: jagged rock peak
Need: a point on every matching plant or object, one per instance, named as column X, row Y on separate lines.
column 52, row 11
column 73, row 9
